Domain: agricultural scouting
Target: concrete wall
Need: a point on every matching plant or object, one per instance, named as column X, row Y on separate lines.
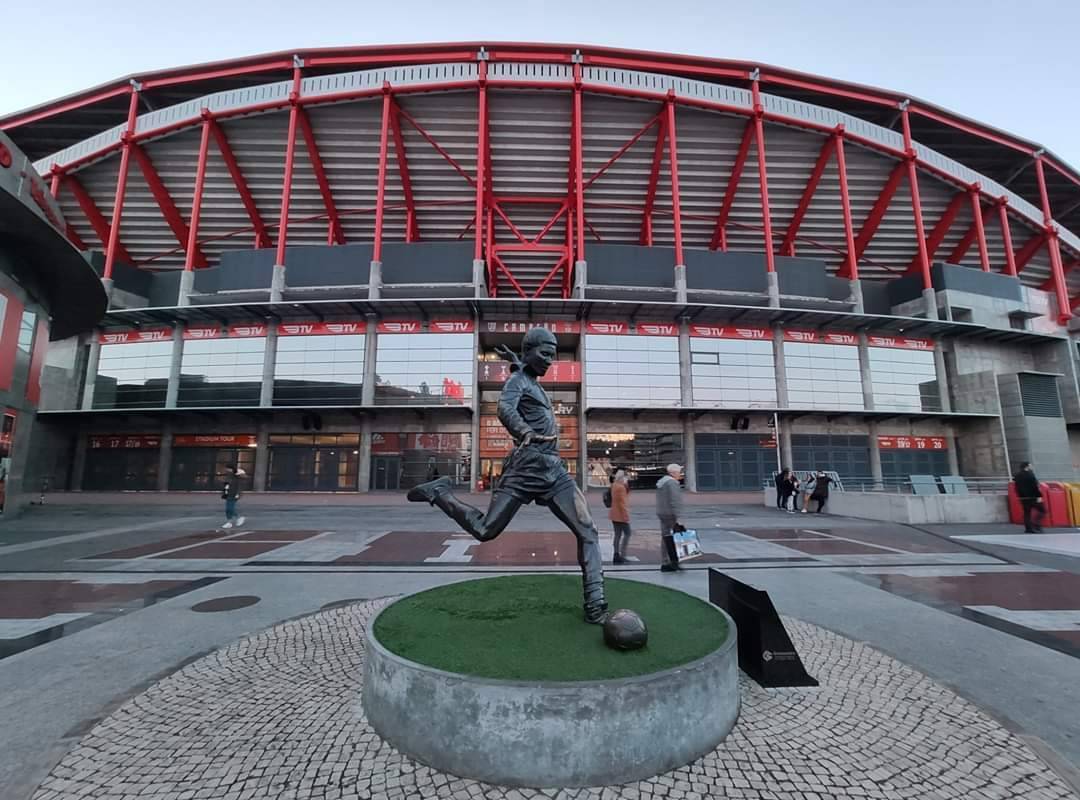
column 914, row 510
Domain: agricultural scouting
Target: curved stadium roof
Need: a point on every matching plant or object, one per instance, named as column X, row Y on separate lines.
column 432, row 155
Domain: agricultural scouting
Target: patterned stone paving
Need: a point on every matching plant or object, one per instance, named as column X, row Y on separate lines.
column 277, row 715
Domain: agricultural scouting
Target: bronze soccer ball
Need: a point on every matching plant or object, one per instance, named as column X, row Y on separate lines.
column 625, row 630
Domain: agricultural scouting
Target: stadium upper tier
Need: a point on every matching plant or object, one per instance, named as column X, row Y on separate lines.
column 534, row 152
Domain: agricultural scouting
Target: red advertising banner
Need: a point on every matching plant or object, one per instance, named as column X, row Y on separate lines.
column 321, row 328
column 401, row 326
column 451, row 326
column 214, row 440
column 912, row 443
column 560, row 372
column 901, row 342
column 203, row 332
column 657, row 328
column 609, row 328
column 126, row 441
column 396, row 443
column 130, row 337
column 729, row 332
column 820, row 337
column 249, row 330
column 555, row 326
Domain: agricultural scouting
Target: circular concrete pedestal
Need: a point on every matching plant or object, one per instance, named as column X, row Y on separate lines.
column 549, row 734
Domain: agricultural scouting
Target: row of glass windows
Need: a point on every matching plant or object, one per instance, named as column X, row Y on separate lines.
column 625, row 371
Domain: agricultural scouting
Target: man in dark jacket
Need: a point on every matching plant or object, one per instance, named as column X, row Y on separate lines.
column 821, row 490
column 230, row 493
column 1027, row 489
column 779, row 481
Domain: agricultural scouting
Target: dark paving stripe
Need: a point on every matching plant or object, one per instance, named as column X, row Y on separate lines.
column 275, row 536
column 158, row 546
column 836, row 547
column 230, row 549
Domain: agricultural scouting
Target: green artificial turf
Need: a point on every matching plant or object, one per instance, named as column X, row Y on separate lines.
column 529, row 627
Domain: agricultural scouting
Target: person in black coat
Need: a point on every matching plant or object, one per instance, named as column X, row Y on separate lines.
column 1027, row 489
column 779, row 479
column 821, row 490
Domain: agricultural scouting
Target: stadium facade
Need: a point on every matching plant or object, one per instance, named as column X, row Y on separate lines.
column 310, row 260
column 45, row 286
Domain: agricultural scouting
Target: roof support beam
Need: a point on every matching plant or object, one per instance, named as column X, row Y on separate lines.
column 646, row 237
column 850, row 268
column 1057, row 272
column 334, row 234
column 412, row 231
column 380, row 189
column 911, row 158
column 1049, row 282
column 1028, row 250
column 165, row 203
column 1006, row 235
column 877, row 212
column 719, row 237
column 940, row 231
column 787, row 247
column 112, row 249
column 287, row 176
column 959, row 253
column 262, row 237
column 763, row 176
column 673, row 165
column 94, row 216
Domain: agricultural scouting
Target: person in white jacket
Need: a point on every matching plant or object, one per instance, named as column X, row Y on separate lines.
column 669, row 508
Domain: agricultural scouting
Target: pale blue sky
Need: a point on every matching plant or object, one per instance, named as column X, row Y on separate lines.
column 1008, row 64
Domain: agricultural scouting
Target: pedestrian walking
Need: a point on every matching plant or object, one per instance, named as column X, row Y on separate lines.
column 821, row 490
column 669, row 509
column 620, row 514
column 230, row 493
column 791, row 492
column 1030, row 494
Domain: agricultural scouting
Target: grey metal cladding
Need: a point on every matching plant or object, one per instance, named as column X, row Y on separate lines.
column 1039, row 395
column 427, row 262
column 631, row 265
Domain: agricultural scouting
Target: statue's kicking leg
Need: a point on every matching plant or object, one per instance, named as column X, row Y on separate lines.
column 571, row 508
column 484, row 527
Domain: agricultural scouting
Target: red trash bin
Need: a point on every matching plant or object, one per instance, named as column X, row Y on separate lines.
column 1016, row 511
column 1057, row 505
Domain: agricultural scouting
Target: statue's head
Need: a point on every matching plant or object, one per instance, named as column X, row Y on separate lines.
column 538, row 350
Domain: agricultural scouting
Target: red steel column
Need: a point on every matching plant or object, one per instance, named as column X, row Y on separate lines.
column 916, row 202
column 121, row 184
column 1006, row 235
column 579, row 178
column 1057, row 272
column 54, row 184
column 673, row 163
column 290, row 157
column 850, row 269
column 380, row 192
column 196, row 199
column 975, row 192
column 763, row 178
column 481, row 157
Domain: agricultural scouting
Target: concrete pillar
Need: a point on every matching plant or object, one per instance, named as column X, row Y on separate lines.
column 92, row 359
column 942, row 377
column 266, row 390
column 581, row 279
column 78, row 460
column 172, row 391
column 875, row 457
column 780, row 369
column 773, row 289
column 680, row 283
column 866, row 373
column 690, row 447
column 363, row 471
column 277, row 283
column 165, row 457
column 371, row 358
column 262, row 456
column 474, row 450
column 930, row 299
column 856, row 296
column 787, row 455
column 375, row 280
column 187, row 283
column 954, row 459
column 686, row 372
column 479, row 278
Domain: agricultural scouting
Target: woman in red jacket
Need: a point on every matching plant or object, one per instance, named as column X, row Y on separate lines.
column 620, row 515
